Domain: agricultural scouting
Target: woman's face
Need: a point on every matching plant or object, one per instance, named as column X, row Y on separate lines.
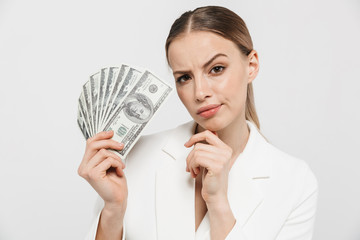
column 211, row 78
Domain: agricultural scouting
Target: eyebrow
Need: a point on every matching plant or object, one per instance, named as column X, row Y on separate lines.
column 205, row 65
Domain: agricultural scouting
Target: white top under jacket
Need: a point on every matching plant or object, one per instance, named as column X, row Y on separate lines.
column 272, row 194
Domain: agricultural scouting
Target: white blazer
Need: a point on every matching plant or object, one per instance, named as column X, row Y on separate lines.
column 272, row 194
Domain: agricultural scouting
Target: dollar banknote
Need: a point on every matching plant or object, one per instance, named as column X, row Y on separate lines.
column 103, row 80
column 88, row 105
column 112, row 74
column 123, row 99
column 82, row 123
column 129, row 81
column 114, row 99
column 84, row 113
column 137, row 108
column 94, row 89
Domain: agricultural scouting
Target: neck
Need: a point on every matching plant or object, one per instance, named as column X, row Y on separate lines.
column 234, row 135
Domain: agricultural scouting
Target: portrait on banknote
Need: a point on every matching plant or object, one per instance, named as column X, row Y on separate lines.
column 138, row 108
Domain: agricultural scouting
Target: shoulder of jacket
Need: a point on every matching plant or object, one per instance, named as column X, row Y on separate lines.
column 265, row 153
column 286, row 166
column 280, row 157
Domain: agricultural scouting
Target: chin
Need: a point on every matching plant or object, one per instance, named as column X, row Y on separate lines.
column 212, row 124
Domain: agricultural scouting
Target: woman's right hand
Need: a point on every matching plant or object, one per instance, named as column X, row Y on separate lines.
column 103, row 169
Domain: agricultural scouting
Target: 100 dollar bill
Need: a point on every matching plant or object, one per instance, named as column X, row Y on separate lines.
column 138, row 107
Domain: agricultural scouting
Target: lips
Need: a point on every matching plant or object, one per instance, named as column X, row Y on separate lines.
column 209, row 110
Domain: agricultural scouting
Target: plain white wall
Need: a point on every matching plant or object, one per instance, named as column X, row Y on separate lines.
column 307, row 97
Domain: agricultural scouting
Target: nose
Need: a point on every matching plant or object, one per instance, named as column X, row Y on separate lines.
column 202, row 89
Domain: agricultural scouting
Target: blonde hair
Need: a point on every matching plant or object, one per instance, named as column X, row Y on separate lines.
column 227, row 24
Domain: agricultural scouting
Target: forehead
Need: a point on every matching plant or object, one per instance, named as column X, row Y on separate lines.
column 197, row 47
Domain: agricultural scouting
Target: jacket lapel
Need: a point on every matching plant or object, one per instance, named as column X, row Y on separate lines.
column 244, row 197
column 175, row 189
column 246, row 176
column 244, row 194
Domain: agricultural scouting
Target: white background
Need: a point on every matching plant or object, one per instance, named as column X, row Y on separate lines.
column 307, row 97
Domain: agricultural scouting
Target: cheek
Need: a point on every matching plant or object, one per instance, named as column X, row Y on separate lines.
column 234, row 89
column 183, row 95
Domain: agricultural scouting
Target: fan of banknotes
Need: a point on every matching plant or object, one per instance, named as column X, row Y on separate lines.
column 122, row 99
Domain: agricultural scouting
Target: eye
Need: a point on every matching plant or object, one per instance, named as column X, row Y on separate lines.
column 183, row 78
column 217, row 69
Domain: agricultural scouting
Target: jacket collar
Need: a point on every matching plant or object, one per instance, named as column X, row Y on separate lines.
column 177, row 138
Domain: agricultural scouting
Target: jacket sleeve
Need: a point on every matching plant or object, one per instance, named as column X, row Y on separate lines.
column 299, row 224
column 99, row 205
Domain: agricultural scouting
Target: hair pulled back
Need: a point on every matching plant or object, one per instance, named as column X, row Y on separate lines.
column 225, row 23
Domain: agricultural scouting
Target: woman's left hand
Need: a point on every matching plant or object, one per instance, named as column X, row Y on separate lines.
column 212, row 159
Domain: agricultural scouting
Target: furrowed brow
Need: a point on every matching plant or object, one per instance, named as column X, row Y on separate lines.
column 182, row 72
column 213, row 58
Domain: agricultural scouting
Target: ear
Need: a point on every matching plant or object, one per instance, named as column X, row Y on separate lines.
column 253, row 62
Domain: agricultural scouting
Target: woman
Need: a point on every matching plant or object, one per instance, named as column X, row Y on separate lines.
column 215, row 177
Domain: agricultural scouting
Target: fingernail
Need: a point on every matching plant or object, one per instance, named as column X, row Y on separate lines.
column 120, row 144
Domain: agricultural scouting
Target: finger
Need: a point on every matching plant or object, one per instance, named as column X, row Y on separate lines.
column 207, row 136
column 109, row 143
column 101, row 136
column 188, row 160
column 201, row 159
column 195, row 167
column 201, row 147
column 95, row 146
column 105, row 165
column 120, row 172
column 100, row 156
column 207, row 148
